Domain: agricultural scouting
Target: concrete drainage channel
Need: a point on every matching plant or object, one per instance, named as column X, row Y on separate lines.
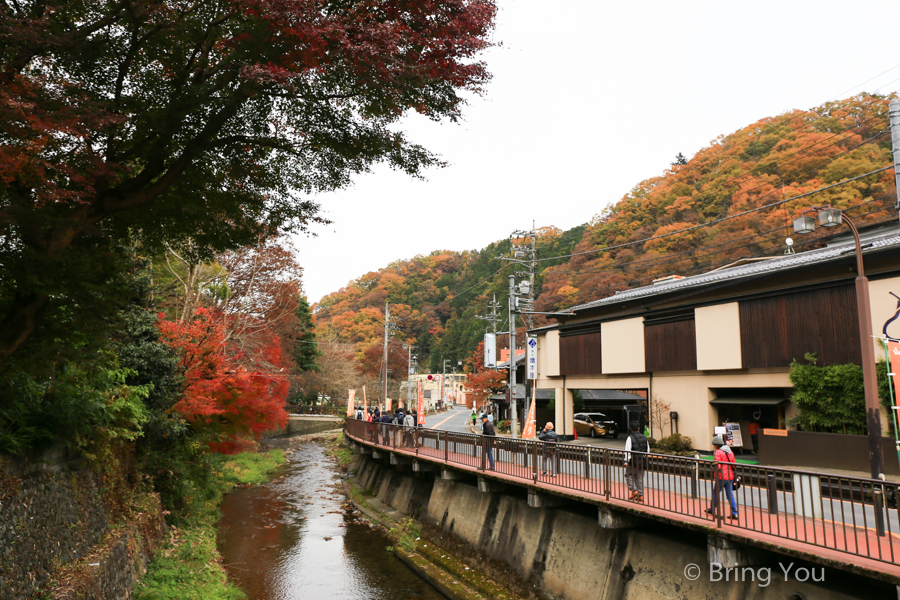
column 427, row 559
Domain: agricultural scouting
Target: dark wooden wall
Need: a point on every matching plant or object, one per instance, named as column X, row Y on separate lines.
column 670, row 346
column 776, row 330
column 580, row 354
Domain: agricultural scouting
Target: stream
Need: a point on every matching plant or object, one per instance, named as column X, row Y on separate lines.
column 296, row 538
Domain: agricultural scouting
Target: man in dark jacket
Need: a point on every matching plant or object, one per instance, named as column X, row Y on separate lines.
column 636, row 449
column 549, row 435
column 488, row 431
column 385, row 429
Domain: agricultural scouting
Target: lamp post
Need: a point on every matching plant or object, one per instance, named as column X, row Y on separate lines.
column 832, row 217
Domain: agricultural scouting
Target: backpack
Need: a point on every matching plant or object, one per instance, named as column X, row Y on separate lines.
column 639, row 444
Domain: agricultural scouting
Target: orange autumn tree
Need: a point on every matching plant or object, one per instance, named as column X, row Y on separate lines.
column 483, row 382
column 227, row 398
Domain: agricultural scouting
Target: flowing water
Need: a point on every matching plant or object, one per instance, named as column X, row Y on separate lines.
column 293, row 539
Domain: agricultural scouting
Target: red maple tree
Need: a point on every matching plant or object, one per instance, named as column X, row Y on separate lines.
column 483, row 382
column 224, row 400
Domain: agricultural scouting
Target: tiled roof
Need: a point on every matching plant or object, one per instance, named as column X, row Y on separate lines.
column 773, row 265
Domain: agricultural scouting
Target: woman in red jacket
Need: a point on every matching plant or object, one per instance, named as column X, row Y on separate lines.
column 724, row 477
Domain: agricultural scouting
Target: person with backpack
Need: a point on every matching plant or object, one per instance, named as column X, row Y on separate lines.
column 550, row 439
column 385, row 428
column 488, row 437
column 636, row 450
column 724, row 458
column 474, row 419
column 409, row 430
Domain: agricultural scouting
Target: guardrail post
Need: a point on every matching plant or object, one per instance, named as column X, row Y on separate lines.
column 606, row 472
column 587, row 463
column 878, row 497
column 772, row 488
column 534, row 461
column 695, row 476
column 483, row 452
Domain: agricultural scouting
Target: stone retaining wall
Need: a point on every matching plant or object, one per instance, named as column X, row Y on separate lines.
column 52, row 514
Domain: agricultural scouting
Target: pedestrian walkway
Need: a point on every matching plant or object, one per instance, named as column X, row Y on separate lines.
column 815, row 514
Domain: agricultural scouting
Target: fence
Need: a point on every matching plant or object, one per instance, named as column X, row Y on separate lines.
column 336, row 411
column 852, row 515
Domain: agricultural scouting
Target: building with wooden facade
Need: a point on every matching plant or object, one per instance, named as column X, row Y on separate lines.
column 718, row 346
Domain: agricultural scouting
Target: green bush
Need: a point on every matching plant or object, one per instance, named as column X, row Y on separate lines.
column 830, row 398
column 675, row 443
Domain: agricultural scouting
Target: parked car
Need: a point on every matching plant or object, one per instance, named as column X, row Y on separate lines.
column 595, row 425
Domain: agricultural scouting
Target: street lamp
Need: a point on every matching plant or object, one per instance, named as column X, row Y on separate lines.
column 832, row 217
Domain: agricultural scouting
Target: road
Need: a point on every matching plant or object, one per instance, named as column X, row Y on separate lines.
column 458, row 420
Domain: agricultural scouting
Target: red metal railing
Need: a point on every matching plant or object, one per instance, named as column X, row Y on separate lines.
column 854, row 515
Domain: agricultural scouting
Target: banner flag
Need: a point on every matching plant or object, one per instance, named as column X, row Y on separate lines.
column 387, row 405
column 364, row 395
column 350, row 403
column 528, row 430
column 421, row 415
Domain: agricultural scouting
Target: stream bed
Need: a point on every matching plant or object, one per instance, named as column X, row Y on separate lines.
column 296, row 538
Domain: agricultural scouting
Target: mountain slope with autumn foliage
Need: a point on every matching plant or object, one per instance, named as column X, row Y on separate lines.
column 692, row 218
column 643, row 237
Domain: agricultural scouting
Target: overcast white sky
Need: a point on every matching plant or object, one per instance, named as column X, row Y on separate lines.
column 590, row 97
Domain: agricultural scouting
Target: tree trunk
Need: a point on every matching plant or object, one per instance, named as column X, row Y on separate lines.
column 20, row 322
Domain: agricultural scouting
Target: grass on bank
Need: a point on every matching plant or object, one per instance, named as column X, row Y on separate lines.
column 340, row 452
column 188, row 566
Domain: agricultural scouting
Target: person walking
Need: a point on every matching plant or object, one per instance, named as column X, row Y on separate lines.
column 488, row 436
column 636, row 449
column 409, row 430
column 550, row 438
column 753, row 430
column 474, row 419
column 385, row 429
column 725, row 461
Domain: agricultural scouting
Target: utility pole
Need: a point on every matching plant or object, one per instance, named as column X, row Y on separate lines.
column 443, row 378
column 410, row 371
column 514, row 425
column 894, row 113
column 524, row 253
column 384, row 359
column 492, row 318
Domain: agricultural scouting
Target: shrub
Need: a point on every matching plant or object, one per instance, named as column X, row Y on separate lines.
column 676, row 443
column 830, row 398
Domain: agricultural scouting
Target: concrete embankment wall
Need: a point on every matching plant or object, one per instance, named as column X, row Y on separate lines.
column 563, row 552
column 52, row 514
column 301, row 425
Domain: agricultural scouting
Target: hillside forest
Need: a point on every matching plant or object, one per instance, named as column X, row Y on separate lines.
column 725, row 203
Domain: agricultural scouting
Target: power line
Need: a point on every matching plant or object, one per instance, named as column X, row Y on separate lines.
column 671, row 258
column 704, row 267
column 455, row 296
column 719, row 220
column 807, row 169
